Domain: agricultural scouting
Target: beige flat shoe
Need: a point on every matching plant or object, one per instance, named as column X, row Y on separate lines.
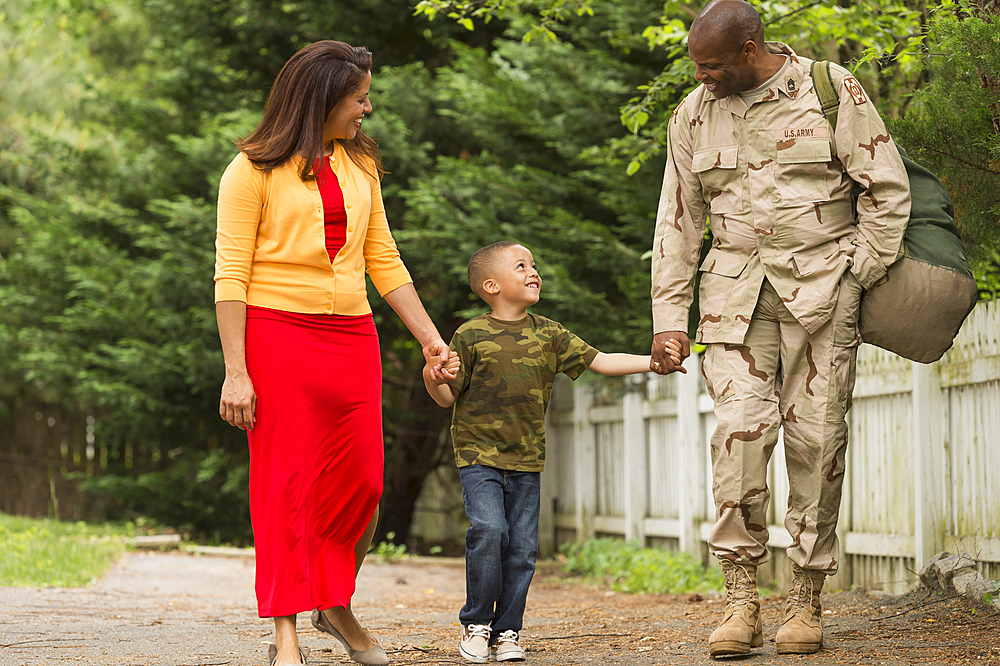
column 272, row 654
column 373, row 656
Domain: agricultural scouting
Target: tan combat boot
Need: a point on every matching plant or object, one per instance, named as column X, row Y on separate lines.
column 802, row 630
column 741, row 627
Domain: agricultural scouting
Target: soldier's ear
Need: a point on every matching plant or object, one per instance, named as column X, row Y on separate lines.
column 491, row 286
column 750, row 50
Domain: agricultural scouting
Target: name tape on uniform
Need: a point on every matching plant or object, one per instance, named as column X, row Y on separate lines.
column 801, row 133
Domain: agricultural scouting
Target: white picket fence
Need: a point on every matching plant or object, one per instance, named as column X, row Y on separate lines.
column 630, row 458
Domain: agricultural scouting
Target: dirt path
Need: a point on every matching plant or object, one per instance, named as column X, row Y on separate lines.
column 181, row 610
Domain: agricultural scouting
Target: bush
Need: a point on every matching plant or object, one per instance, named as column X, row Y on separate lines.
column 626, row 566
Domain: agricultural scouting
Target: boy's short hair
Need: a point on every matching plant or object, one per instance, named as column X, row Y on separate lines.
column 482, row 264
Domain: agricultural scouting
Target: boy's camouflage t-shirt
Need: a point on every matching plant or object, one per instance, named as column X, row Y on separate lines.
column 505, row 380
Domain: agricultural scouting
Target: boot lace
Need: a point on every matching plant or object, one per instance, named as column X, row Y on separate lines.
column 804, row 593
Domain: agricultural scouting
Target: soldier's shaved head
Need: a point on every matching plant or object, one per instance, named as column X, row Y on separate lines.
column 483, row 264
column 729, row 23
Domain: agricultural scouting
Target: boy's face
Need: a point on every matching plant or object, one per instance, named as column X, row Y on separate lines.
column 515, row 279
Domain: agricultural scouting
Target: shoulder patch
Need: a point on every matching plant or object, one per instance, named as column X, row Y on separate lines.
column 855, row 89
column 678, row 108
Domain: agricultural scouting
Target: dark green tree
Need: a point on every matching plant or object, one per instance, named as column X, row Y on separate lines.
column 952, row 124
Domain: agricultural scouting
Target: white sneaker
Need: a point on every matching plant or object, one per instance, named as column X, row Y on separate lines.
column 507, row 648
column 475, row 643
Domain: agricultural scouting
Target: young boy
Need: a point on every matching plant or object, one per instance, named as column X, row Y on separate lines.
column 505, row 363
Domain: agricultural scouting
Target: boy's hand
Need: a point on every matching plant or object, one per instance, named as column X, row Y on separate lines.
column 441, row 373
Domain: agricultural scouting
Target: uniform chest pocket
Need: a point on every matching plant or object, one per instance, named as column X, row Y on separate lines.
column 721, row 181
column 802, row 172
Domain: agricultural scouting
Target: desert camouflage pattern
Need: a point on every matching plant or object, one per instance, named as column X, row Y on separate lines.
column 775, row 182
column 505, row 381
column 782, row 375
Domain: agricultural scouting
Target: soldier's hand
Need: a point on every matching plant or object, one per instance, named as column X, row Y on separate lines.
column 666, row 358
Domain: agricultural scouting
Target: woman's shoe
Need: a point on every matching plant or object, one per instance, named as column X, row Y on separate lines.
column 272, row 654
column 373, row 656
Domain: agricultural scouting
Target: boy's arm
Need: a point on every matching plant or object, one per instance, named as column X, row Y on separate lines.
column 443, row 394
column 630, row 364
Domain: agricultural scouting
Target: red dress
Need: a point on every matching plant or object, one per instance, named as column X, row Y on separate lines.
column 316, row 451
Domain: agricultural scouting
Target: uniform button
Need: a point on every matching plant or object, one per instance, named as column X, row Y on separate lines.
column 350, row 228
column 348, row 205
column 329, row 307
column 331, row 273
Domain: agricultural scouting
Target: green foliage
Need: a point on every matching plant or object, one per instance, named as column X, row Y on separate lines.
column 881, row 35
column 117, row 118
column 952, row 125
column 533, row 124
column 387, row 551
column 105, row 276
column 48, row 553
column 626, row 566
column 987, row 274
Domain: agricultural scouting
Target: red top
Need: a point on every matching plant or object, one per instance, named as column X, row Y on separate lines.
column 334, row 213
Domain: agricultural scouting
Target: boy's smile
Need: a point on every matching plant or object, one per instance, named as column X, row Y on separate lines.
column 516, row 279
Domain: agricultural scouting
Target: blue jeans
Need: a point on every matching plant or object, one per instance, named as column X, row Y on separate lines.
column 501, row 545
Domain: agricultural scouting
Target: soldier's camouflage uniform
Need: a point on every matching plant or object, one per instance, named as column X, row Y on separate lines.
column 505, row 381
column 779, row 288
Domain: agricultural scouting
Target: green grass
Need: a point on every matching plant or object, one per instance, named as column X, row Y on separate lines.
column 626, row 566
column 49, row 553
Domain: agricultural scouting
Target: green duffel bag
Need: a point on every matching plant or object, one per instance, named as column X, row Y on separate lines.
column 929, row 291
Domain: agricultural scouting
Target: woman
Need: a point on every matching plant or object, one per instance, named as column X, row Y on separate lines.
column 300, row 222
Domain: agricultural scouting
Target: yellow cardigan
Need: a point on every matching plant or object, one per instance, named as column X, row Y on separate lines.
column 270, row 246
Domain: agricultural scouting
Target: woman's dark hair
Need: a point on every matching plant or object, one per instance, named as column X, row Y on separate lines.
column 308, row 87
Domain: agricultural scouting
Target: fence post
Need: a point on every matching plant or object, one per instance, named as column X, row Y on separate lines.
column 549, row 482
column 692, row 446
column 636, row 461
column 929, row 497
column 585, row 462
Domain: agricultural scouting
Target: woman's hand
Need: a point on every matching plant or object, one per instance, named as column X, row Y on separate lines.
column 238, row 405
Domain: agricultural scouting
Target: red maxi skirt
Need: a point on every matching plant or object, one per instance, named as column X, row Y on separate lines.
column 316, row 454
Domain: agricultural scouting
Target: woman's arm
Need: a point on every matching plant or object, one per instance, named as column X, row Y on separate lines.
column 238, row 404
column 406, row 303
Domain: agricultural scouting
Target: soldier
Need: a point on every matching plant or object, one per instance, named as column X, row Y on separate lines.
column 751, row 150
column 506, row 362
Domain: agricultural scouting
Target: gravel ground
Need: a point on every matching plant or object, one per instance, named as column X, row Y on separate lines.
column 183, row 610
